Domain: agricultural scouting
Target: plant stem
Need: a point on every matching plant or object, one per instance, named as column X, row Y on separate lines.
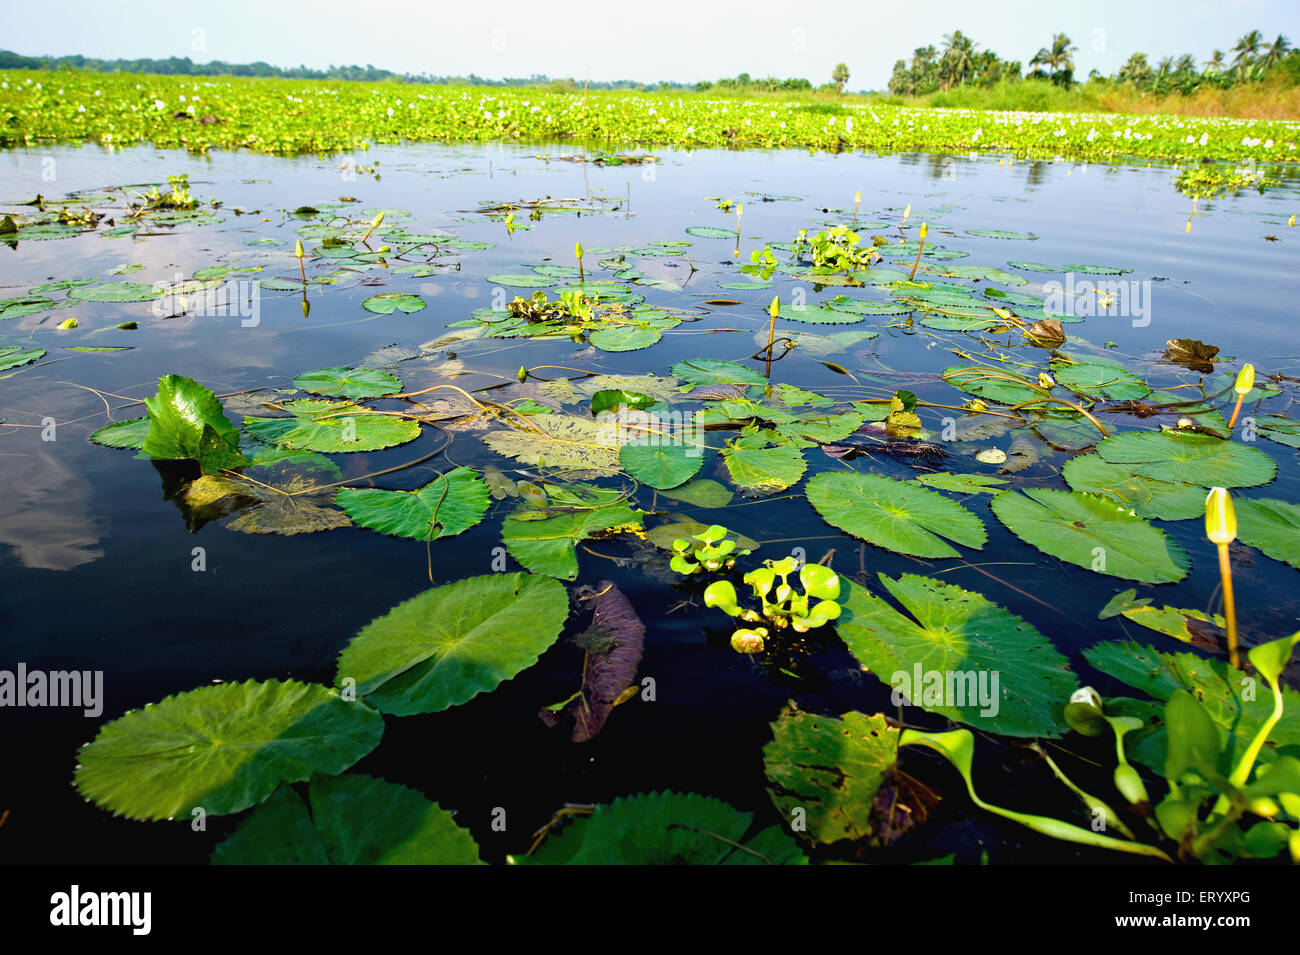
column 1236, row 410
column 1229, row 606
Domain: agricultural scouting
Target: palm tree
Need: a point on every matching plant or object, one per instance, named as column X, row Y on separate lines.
column 1247, row 49
column 840, row 76
column 1215, row 63
column 958, row 58
column 1057, row 57
column 1276, row 50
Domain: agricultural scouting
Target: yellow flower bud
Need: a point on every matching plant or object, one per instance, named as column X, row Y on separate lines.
column 374, row 223
column 1245, row 379
column 1045, row 380
column 924, row 229
column 907, row 212
column 1220, row 518
column 577, row 250
column 775, row 308
column 739, row 210
column 297, row 249
column 522, row 374
column 857, row 198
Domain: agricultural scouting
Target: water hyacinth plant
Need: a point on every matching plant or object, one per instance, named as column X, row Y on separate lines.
column 782, row 604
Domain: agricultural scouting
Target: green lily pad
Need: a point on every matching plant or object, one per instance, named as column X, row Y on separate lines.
column 665, row 828
column 1189, row 458
column 660, row 464
column 115, row 292
column 545, row 541
column 448, row 505
column 186, row 421
column 449, row 644
column 389, row 302
column 895, row 515
column 951, row 641
column 962, row 483
column 1270, row 525
column 348, row 820
column 24, row 305
column 1093, row 532
column 830, row 767
column 1000, row 234
column 123, row 434
column 222, row 748
column 561, row 441
column 624, row 337
column 1146, row 497
column 12, row 356
column 523, row 279
column 331, row 427
column 754, row 466
column 715, row 371
column 710, row 232
column 1100, row 380
column 348, row 382
column 702, row 492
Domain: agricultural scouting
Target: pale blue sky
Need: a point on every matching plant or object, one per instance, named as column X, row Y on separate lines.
column 643, row 40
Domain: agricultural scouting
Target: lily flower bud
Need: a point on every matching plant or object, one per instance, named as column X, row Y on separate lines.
column 1220, row 518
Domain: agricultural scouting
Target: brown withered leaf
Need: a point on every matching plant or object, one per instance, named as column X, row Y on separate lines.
column 1193, row 353
column 1047, row 332
column 614, row 643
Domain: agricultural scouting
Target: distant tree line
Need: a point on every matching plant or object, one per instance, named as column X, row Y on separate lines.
column 957, row 62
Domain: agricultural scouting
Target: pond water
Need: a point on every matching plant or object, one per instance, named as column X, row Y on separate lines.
column 97, row 566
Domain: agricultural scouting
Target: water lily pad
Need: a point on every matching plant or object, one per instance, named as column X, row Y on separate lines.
column 665, row 829
column 115, row 292
column 332, row 427
column 448, row 505
column 522, row 279
column 1147, row 497
column 389, row 302
column 819, row 315
column 560, row 441
column 12, row 356
column 895, row 515
column 348, row 382
column 831, row 768
column 660, row 464
column 714, row 371
column 958, row 636
column 1100, row 380
column 1189, row 458
column 545, row 541
column 619, row 338
column 1093, row 532
column 1000, row 234
column 962, row 483
column 755, row 467
column 123, row 434
column 710, row 232
column 348, row 820
column 1272, row 526
column 222, row 748
column 187, row 422
column 449, row 644
column 24, row 305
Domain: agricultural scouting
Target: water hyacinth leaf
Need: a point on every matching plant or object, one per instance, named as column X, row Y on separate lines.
column 451, row 643
column 223, row 748
column 660, row 464
column 715, row 371
column 13, row 356
column 348, row 820
column 1190, row 458
column 1270, row 525
column 1093, row 532
column 895, row 515
column 1147, row 497
column 348, row 382
column 755, row 467
column 389, row 302
column 331, row 427
column 448, row 505
column 665, row 828
column 953, row 640
column 1233, row 703
column 832, row 767
column 187, row 422
column 123, row 434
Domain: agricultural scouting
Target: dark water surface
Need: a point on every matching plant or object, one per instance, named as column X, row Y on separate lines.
column 95, row 566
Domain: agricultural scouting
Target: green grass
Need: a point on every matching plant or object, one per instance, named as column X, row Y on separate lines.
column 297, row 116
